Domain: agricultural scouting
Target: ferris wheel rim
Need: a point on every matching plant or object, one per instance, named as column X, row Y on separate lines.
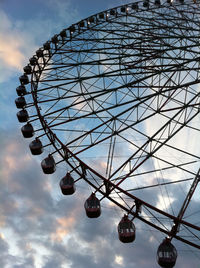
column 63, row 150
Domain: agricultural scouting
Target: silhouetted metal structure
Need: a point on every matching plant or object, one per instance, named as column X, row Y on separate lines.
column 114, row 98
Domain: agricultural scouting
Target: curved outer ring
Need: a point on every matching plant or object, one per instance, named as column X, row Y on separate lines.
column 64, row 151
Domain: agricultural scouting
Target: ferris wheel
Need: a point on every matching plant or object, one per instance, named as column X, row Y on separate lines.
column 115, row 100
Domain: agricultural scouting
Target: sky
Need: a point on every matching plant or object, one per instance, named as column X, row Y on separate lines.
column 40, row 228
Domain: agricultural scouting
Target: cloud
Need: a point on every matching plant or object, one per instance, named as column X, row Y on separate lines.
column 42, row 229
column 9, row 52
column 64, row 226
column 19, row 39
column 15, row 45
column 10, row 47
column 39, row 226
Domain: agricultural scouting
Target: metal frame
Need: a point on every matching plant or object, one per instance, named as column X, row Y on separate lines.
column 153, row 66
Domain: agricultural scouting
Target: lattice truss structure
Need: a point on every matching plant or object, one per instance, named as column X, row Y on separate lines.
column 116, row 98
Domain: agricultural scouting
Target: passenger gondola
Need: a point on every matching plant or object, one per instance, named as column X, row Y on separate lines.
column 39, row 53
column 24, row 80
column 112, row 12
column 33, row 61
column 82, row 24
column 22, row 116
column 123, row 9
column 93, row 207
column 63, row 33
column 21, row 90
column 157, row 2
column 126, row 230
column 20, row 102
column 91, row 20
column 166, row 254
column 67, row 185
column 146, row 3
column 47, row 45
column 54, row 39
column 101, row 15
column 36, row 147
column 27, row 130
column 48, row 165
column 28, row 69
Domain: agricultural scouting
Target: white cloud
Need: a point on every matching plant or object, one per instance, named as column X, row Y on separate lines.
column 10, row 52
column 42, row 219
column 19, row 39
column 14, row 45
column 164, row 202
column 119, row 260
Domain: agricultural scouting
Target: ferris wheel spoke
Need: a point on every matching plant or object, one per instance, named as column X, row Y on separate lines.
column 159, row 184
column 137, row 100
column 114, row 118
column 117, row 104
column 165, row 128
column 158, row 226
column 102, row 93
column 98, row 142
column 159, row 140
column 170, row 165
